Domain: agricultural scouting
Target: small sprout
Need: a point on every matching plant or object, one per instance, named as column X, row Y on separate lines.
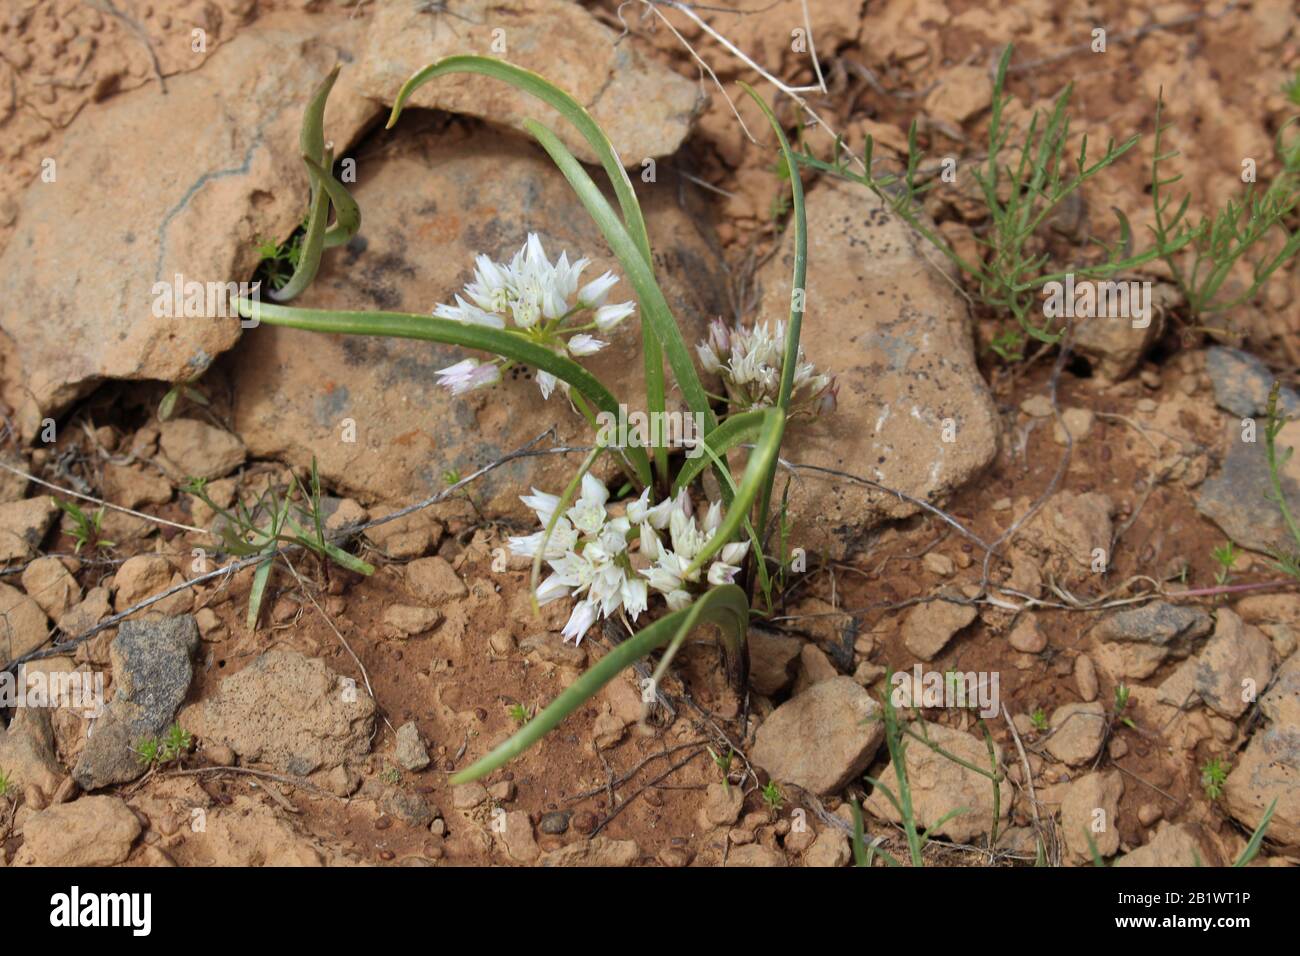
column 773, row 796
column 1039, row 719
column 4, row 784
column 176, row 744
column 1225, row 556
column 85, row 528
column 451, row 476
column 1292, row 89
column 519, row 714
column 148, row 750
column 1008, row 345
column 1121, row 704
column 391, row 775
column 1213, row 775
column 723, row 764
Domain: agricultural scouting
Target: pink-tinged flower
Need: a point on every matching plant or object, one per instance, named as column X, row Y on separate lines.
column 722, row 573
column 829, row 399
column 580, row 621
column 468, row 375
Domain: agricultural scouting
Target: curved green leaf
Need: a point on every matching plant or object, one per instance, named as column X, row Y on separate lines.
column 798, row 292
column 724, row 606
column 736, row 430
column 347, row 214
column 573, row 111
column 758, row 471
column 654, row 307
column 408, row 326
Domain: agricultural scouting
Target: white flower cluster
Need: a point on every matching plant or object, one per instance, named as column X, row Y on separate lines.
column 750, row 362
column 613, row 562
column 539, row 298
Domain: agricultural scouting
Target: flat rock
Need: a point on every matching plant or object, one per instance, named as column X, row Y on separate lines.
column 1174, row 844
column 598, row 851
column 1269, row 768
column 1174, row 626
column 914, row 413
column 929, row 627
column 23, row 524
column 411, row 752
column 27, row 751
column 90, row 831
column 189, row 448
column 1077, row 732
column 940, row 786
column 772, row 660
column 1234, row 666
column 434, row 581
column 48, row 583
column 77, row 278
column 821, row 739
column 1238, row 498
column 152, row 670
column 1090, row 807
column 289, row 711
column 431, row 202
column 755, row 854
column 1242, row 383
column 23, row 626
column 646, row 109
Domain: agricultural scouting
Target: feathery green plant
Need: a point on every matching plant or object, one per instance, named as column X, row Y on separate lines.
column 747, row 498
column 1021, row 197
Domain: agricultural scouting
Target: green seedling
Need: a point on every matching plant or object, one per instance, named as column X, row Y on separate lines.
column 4, row 784
column 1122, row 693
column 1225, row 556
column 1039, row 719
column 773, row 796
column 519, row 714
column 85, row 528
column 176, row 743
column 1213, row 775
column 186, row 390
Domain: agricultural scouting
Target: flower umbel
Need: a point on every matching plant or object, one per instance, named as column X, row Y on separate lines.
column 538, row 299
column 750, row 362
column 613, row 562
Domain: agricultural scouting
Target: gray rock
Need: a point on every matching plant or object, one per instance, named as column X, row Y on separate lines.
column 411, row 752
column 1173, row 626
column 152, row 670
column 555, row 822
column 1234, row 667
column 1242, row 383
column 1239, row 497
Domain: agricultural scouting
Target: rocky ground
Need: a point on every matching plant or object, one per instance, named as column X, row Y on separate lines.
column 327, row 734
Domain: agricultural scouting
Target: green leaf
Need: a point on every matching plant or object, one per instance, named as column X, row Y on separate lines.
column 654, row 307
column 347, row 214
column 258, row 592
column 762, row 461
column 798, row 291
column 736, row 430
column 724, row 606
column 449, row 332
column 1256, row 838
column 573, row 111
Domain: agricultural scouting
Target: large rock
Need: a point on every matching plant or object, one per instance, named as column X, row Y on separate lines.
column 92, row 831
column 430, row 204
column 27, row 751
column 1269, row 767
column 289, row 711
column 1173, row 845
column 1242, row 383
column 1234, row 666
column 152, row 670
column 645, row 108
column 22, row 526
column 939, row 786
column 23, row 625
column 1239, row 498
column 882, row 317
column 1133, row 643
column 1090, row 808
column 1077, row 732
column 152, row 186
column 821, row 739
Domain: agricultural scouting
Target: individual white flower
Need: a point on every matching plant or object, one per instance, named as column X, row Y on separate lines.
column 608, row 316
column 583, row 344
column 468, row 375
column 735, row 552
column 546, row 382
column 580, row 621
column 469, row 314
column 551, row 589
column 722, row 573
column 588, row 512
column 542, row 504
column 563, row 538
column 592, row 295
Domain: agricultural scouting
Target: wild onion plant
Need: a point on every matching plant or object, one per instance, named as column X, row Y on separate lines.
column 703, row 558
